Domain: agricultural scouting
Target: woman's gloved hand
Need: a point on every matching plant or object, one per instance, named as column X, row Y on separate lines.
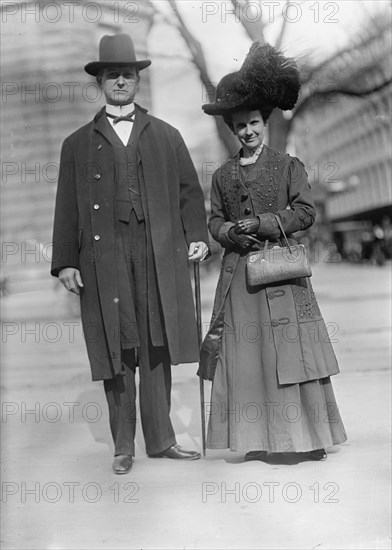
column 249, row 226
column 268, row 228
column 243, row 241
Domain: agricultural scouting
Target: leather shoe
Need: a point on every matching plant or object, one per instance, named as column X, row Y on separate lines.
column 255, row 455
column 318, row 454
column 122, row 464
column 175, row 451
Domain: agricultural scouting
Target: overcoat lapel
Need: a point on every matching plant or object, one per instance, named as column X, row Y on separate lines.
column 152, row 156
column 102, row 125
column 140, row 124
column 106, row 254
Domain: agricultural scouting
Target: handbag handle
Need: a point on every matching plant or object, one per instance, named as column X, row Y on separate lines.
column 257, row 241
column 283, row 232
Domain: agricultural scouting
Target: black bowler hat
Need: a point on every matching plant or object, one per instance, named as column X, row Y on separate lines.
column 116, row 50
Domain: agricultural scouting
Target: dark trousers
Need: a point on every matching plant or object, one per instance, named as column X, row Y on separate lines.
column 153, row 362
column 154, row 390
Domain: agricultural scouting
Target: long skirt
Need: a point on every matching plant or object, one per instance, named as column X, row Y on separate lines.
column 249, row 409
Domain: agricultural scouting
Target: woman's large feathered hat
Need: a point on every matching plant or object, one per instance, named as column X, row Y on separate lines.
column 266, row 80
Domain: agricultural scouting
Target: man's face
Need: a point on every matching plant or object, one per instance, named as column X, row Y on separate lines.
column 119, row 84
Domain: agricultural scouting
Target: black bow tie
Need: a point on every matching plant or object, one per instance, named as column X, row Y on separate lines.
column 129, row 116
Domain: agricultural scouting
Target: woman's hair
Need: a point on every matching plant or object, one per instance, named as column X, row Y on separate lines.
column 265, row 112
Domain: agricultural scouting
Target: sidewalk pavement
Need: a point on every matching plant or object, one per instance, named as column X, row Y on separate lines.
column 58, row 490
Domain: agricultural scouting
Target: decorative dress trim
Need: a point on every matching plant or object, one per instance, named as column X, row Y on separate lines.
column 261, row 183
column 245, row 161
column 305, row 300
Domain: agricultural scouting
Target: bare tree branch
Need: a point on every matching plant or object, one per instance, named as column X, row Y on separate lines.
column 338, row 91
column 282, row 31
column 254, row 29
column 199, row 61
column 360, row 43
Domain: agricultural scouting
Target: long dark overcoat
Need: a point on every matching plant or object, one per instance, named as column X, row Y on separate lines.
column 84, row 233
column 278, row 184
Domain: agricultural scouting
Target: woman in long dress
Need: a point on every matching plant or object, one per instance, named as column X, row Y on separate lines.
column 267, row 349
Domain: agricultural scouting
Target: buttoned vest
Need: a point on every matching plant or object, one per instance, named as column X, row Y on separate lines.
column 128, row 191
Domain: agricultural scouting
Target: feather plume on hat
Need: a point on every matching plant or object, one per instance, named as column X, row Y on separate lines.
column 266, row 80
column 267, row 76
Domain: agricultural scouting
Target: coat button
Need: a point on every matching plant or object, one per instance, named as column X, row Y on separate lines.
column 96, row 206
column 275, row 323
column 247, row 211
column 244, row 196
column 229, row 269
column 99, row 147
column 97, row 176
column 96, row 237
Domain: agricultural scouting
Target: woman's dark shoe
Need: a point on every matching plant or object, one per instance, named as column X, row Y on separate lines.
column 255, row 455
column 318, row 454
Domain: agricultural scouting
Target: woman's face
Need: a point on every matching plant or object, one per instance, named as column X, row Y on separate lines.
column 249, row 128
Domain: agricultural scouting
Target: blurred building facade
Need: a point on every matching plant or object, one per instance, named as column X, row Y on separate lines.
column 46, row 95
column 346, row 144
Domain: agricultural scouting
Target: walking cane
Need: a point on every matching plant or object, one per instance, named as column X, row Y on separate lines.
column 196, row 267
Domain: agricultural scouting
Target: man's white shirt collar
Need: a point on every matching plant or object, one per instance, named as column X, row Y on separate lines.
column 123, row 128
column 120, row 110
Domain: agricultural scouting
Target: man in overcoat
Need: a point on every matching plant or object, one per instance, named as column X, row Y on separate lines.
column 129, row 215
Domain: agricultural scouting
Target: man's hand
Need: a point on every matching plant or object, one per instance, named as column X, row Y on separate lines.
column 249, row 226
column 71, row 279
column 197, row 251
